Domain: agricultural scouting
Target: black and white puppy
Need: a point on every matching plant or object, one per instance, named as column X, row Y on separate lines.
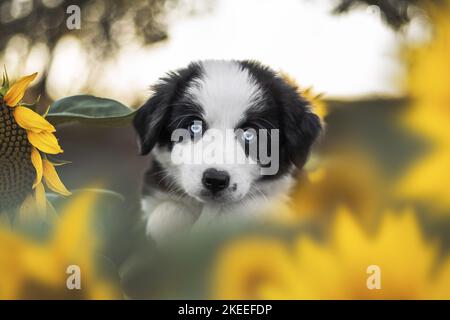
column 241, row 97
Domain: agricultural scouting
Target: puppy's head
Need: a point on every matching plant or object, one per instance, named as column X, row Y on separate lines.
column 200, row 115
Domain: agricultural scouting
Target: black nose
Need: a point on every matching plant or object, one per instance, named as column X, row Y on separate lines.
column 215, row 180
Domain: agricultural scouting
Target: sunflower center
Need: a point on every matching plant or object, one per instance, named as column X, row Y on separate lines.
column 17, row 173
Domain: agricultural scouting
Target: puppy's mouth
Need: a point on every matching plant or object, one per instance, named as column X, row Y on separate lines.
column 221, row 197
column 209, row 197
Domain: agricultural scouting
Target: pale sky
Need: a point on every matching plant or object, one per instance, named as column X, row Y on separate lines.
column 353, row 54
column 349, row 55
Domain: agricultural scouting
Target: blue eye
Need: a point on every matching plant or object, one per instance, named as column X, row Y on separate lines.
column 196, row 127
column 248, row 135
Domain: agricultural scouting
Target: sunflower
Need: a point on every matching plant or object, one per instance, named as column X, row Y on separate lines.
column 26, row 138
column 337, row 268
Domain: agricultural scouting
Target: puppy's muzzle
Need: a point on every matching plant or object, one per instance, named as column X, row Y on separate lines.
column 215, row 180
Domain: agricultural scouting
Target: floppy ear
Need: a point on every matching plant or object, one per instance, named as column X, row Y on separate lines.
column 302, row 128
column 149, row 119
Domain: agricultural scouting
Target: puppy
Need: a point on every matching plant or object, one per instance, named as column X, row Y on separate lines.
column 192, row 180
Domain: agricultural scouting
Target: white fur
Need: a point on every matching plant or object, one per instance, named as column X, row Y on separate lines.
column 225, row 92
column 167, row 216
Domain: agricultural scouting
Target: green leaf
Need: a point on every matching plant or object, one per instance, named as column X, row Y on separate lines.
column 91, row 110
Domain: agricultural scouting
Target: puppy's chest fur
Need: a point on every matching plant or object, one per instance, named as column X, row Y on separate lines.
column 168, row 211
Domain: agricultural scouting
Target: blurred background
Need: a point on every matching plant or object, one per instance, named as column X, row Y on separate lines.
column 351, row 55
column 374, row 192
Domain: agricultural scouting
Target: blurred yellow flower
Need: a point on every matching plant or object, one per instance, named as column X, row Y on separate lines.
column 247, row 266
column 322, row 189
column 31, row 270
column 428, row 83
column 25, row 139
column 267, row 268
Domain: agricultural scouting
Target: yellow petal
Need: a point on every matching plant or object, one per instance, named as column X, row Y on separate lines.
column 44, row 141
column 41, row 200
column 52, row 179
column 36, row 160
column 16, row 92
column 30, row 120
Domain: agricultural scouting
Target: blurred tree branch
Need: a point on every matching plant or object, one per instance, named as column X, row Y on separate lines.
column 45, row 21
column 396, row 13
column 106, row 26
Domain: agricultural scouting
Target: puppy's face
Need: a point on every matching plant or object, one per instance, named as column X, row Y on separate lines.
column 205, row 125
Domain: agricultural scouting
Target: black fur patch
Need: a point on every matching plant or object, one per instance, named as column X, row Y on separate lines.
column 153, row 119
column 286, row 110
